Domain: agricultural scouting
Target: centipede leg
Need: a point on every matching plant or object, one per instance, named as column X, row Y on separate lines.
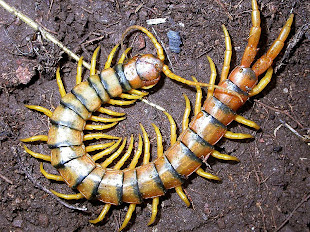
column 246, row 122
column 41, row 109
column 110, row 112
column 79, row 71
column 98, row 146
column 37, row 155
column 227, row 56
column 99, row 127
column 98, row 136
column 206, row 175
column 93, row 61
column 198, row 98
column 186, row 114
column 221, row 156
column 35, row 138
column 132, row 165
column 121, row 103
column 102, row 215
column 60, row 84
column 231, row 135
column 50, row 176
column 110, row 57
column 212, row 77
column 107, row 151
column 262, row 83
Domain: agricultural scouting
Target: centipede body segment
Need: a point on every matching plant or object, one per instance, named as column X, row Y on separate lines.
column 170, row 169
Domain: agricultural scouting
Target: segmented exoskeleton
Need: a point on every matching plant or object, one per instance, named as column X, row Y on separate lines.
column 169, row 170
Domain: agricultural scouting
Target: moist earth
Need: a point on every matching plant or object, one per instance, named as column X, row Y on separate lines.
column 268, row 190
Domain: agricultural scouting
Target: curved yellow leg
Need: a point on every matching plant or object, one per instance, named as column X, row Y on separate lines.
column 221, row 156
column 186, row 114
column 99, row 136
column 110, row 57
column 182, row 195
column 37, row 155
column 35, row 138
column 262, row 83
column 45, row 111
column 120, row 102
column 173, row 128
column 227, row 56
column 110, row 112
column 68, row 196
column 50, row 176
column 60, row 84
column 129, row 96
column 101, row 216
column 246, row 122
column 123, row 56
column 212, row 77
column 147, row 146
column 107, row 151
column 206, row 175
column 231, row 135
column 198, row 98
column 138, row 92
column 101, row 119
column 155, row 203
column 109, row 160
column 121, row 162
column 98, row 146
column 79, row 71
column 92, row 70
column 99, row 127
column 160, row 149
column 132, row 165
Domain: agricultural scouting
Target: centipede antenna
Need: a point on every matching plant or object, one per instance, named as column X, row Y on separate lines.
column 198, row 97
column 231, row 135
column 68, row 196
column 50, row 176
column 186, row 114
column 99, row 127
column 45, row 111
column 98, row 146
column 37, row 155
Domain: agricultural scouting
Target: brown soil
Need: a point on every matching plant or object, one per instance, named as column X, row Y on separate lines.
column 269, row 185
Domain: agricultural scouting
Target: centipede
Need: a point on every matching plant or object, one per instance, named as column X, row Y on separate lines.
column 118, row 185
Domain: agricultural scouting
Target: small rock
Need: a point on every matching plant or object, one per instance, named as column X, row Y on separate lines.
column 17, row 223
column 43, row 220
column 221, row 223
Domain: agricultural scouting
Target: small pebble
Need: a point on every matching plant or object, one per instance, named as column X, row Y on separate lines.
column 43, row 220
column 174, row 41
column 285, row 90
column 17, row 223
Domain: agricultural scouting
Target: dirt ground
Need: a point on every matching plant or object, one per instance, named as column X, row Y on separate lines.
column 267, row 191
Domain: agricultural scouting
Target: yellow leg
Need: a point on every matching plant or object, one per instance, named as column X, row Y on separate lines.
column 100, row 119
column 138, row 92
column 60, row 84
column 262, row 83
column 198, row 98
column 182, row 195
column 124, row 55
column 42, row 138
column 92, row 70
column 221, row 156
column 110, row 112
column 186, row 114
column 107, row 151
column 173, row 128
column 98, row 146
column 110, row 57
column 50, row 176
column 101, row 216
column 212, row 77
column 160, row 149
column 231, row 135
column 120, row 102
column 246, row 122
column 132, row 165
column 45, row 111
column 98, row 136
column 227, row 56
column 99, row 127
column 79, row 71
column 147, row 146
column 129, row 96
column 109, row 160
column 37, row 155
column 206, row 175
column 129, row 213
column 121, row 162
column 68, row 196
column 155, row 203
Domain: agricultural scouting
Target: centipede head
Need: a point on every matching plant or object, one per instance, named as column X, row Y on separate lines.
column 143, row 71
